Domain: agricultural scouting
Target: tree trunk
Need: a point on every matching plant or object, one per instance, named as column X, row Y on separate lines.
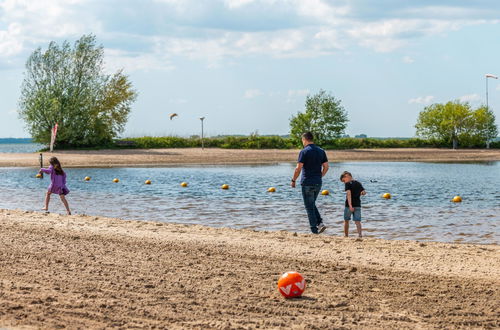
column 455, row 143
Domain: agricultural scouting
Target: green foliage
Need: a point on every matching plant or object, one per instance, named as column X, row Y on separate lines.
column 66, row 85
column 324, row 116
column 227, row 142
column 274, row 142
column 457, row 123
column 370, row 143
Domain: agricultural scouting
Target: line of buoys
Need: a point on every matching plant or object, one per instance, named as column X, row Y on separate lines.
column 325, row 192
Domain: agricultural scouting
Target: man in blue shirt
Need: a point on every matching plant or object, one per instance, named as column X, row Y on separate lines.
column 313, row 164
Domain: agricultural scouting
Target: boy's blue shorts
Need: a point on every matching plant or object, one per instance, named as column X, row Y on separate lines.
column 356, row 215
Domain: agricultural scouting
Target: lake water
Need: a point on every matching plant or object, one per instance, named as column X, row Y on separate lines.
column 420, row 208
column 20, row 147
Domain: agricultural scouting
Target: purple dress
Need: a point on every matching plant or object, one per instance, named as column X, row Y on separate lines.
column 57, row 182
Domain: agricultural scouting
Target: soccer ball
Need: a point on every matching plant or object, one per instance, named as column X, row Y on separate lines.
column 291, row 285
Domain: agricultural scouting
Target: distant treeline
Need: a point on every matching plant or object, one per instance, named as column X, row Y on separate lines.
column 279, row 142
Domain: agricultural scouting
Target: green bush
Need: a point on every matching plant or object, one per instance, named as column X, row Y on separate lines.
column 278, row 142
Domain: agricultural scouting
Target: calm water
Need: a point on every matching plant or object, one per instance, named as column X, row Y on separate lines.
column 420, row 208
column 20, row 147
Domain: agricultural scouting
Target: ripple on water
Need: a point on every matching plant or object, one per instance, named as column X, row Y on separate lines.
column 420, row 207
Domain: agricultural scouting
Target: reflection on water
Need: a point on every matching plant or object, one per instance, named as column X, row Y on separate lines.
column 420, row 208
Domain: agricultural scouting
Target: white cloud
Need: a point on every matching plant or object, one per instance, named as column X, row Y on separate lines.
column 421, row 100
column 294, row 94
column 237, row 3
column 10, row 43
column 116, row 59
column 219, row 30
column 469, row 98
column 31, row 23
column 252, row 93
column 408, row 59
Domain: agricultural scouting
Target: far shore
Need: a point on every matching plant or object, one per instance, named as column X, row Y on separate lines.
column 215, row 156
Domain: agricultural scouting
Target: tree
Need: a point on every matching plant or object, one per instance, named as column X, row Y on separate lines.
column 456, row 122
column 67, row 85
column 324, row 116
column 486, row 129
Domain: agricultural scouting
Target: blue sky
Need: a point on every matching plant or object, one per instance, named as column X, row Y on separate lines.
column 247, row 65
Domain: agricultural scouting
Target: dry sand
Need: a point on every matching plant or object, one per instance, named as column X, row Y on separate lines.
column 159, row 157
column 93, row 272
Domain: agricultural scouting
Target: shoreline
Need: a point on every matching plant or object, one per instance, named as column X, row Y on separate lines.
column 180, row 157
column 95, row 272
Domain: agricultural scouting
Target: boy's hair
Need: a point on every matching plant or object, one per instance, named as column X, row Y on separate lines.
column 308, row 136
column 344, row 174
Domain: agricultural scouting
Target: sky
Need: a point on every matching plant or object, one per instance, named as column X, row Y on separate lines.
column 248, row 65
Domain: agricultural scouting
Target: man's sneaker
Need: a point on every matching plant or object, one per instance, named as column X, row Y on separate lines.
column 321, row 228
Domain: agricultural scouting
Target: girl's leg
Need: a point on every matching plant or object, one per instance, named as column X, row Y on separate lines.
column 47, row 200
column 65, row 202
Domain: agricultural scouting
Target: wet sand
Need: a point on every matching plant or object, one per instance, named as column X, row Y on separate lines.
column 164, row 157
column 93, row 272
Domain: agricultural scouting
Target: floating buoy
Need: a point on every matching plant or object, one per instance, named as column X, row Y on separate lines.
column 184, row 184
column 271, row 189
column 38, row 176
column 291, row 285
column 87, row 178
column 386, row 196
column 325, row 192
column 115, row 180
column 147, row 182
column 457, row 199
column 225, row 186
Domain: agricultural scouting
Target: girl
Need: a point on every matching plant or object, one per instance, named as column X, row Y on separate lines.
column 57, row 183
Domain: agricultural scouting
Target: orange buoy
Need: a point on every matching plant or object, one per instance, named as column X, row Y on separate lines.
column 291, row 285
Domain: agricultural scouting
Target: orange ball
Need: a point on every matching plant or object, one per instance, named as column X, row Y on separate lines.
column 291, row 285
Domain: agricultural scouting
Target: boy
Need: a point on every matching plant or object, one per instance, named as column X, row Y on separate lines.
column 354, row 189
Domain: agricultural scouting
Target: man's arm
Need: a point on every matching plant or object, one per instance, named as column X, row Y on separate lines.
column 325, row 168
column 363, row 192
column 296, row 173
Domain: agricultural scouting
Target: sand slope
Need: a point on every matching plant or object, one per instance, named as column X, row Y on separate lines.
column 93, row 272
column 159, row 157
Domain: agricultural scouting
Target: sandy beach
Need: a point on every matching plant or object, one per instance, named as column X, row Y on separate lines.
column 166, row 157
column 92, row 272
